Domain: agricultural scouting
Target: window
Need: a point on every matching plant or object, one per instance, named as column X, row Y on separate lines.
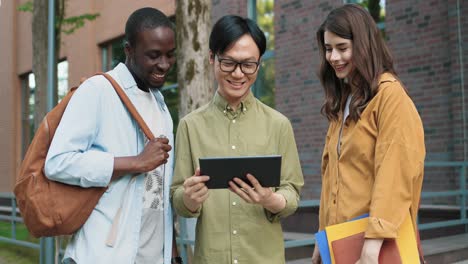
column 112, row 53
column 62, row 79
column 262, row 11
column 377, row 10
column 28, row 91
column 27, row 110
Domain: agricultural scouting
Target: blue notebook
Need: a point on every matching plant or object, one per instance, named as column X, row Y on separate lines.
column 322, row 242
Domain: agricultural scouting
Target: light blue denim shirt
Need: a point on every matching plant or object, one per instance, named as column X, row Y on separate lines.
column 94, row 129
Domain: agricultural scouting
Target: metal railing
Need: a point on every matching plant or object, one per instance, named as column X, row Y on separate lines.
column 11, row 213
column 13, row 218
column 461, row 192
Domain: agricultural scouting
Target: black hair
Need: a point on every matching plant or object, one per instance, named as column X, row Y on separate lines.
column 230, row 28
column 145, row 18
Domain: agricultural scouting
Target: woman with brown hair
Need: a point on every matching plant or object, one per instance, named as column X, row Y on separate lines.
column 373, row 159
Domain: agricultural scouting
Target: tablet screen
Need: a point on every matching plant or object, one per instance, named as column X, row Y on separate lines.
column 267, row 170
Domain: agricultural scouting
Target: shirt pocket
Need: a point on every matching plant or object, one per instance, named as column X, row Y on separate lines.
column 263, row 145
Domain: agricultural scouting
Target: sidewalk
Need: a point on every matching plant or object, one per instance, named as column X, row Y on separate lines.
column 298, row 261
column 443, row 250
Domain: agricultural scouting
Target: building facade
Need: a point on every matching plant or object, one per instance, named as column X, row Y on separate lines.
column 85, row 52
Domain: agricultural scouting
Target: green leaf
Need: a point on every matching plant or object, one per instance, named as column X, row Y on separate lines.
column 26, row 7
column 70, row 24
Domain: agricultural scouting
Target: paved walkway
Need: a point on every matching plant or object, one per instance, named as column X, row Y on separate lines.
column 309, row 261
column 300, row 261
column 430, row 247
column 445, row 244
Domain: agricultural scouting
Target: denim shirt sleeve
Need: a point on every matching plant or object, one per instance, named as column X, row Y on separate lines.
column 73, row 158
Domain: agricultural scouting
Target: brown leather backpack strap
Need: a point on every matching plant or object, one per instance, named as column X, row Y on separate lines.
column 131, row 108
column 112, row 236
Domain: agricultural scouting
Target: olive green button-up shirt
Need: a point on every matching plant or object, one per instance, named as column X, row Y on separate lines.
column 230, row 230
column 381, row 165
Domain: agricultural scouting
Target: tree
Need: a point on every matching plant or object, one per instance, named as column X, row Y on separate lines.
column 265, row 85
column 195, row 78
column 40, row 46
column 374, row 8
column 194, row 74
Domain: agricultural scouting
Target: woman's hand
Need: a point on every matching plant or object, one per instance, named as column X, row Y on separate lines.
column 316, row 259
column 370, row 251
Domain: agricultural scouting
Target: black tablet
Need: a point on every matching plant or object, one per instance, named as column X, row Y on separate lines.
column 267, row 170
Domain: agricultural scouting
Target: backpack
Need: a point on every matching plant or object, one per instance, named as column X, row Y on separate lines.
column 51, row 208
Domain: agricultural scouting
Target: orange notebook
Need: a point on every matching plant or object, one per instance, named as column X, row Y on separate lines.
column 345, row 242
column 348, row 250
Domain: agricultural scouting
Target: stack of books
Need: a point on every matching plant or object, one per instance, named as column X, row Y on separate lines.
column 342, row 243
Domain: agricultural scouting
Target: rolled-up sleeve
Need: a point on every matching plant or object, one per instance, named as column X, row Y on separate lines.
column 72, row 158
column 292, row 179
column 399, row 159
column 183, row 170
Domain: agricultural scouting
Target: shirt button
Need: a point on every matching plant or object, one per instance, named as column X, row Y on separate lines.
column 234, row 121
column 234, row 203
column 334, row 201
column 235, row 261
column 233, row 147
column 234, row 232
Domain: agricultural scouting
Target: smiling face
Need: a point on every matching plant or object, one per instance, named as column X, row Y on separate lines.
column 152, row 55
column 339, row 54
column 234, row 86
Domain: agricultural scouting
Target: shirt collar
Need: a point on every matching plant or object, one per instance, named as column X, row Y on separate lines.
column 245, row 105
column 159, row 98
column 126, row 78
column 128, row 81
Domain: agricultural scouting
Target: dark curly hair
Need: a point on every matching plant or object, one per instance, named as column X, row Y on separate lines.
column 145, row 18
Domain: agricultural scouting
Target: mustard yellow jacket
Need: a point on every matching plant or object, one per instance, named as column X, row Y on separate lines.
column 381, row 165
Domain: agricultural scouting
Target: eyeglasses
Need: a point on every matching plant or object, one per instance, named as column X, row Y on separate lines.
column 228, row 65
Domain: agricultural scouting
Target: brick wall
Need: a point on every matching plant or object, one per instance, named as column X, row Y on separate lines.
column 423, row 37
column 456, row 83
column 420, row 38
column 299, row 94
column 228, row 7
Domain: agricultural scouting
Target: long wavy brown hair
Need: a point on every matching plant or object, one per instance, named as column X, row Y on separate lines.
column 370, row 56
